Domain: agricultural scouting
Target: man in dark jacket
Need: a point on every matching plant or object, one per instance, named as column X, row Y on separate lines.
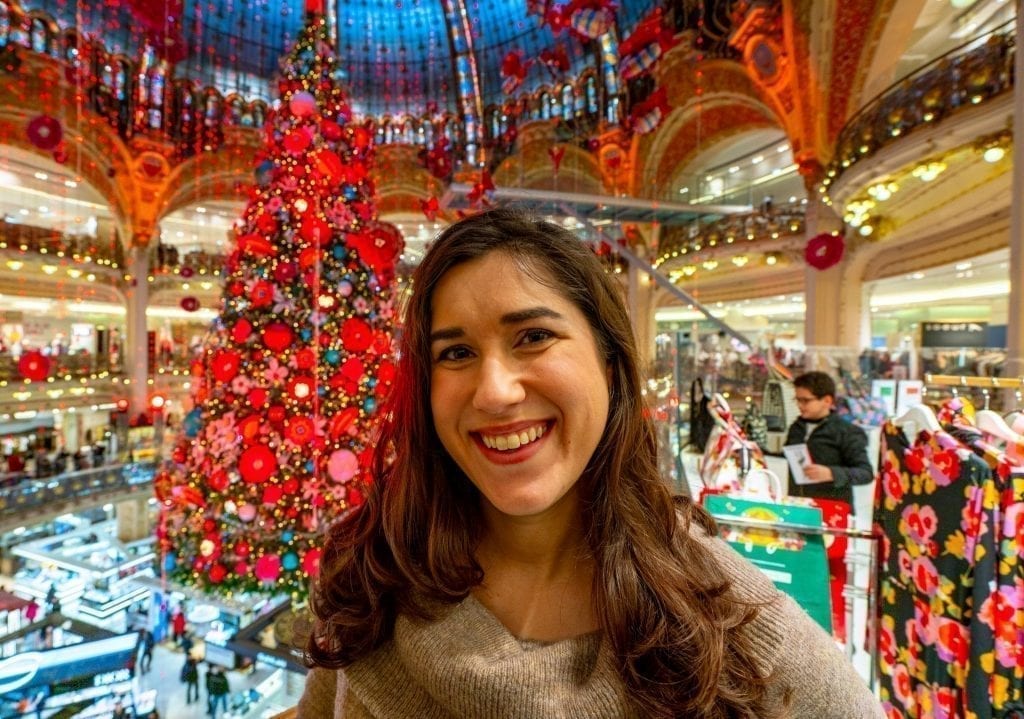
column 838, row 449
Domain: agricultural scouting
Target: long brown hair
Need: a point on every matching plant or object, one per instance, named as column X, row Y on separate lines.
column 664, row 604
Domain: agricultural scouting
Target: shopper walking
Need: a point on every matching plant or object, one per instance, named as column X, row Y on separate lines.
column 147, row 650
column 178, row 625
column 190, row 675
column 217, row 689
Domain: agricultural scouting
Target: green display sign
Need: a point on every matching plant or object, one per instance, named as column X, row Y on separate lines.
column 795, row 562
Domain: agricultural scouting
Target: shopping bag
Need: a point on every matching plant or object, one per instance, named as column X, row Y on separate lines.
column 795, row 562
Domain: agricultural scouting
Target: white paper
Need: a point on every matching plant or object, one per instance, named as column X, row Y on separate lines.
column 797, row 455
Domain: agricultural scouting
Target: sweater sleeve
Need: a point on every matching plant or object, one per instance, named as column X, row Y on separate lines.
column 853, row 449
column 318, row 697
column 805, row 665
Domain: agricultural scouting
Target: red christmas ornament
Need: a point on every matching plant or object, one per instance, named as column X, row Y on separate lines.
column 262, row 294
column 277, row 336
column 299, row 430
column 305, row 358
column 330, row 130
column 297, row 141
column 285, row 271
column 290, row 485
column 189, row 304
column 217, row 573
column 360, row 138
column 311, row 562
column 315, row 230
column 328, row 165
column 824, row 250
column 241, row 331
column 272, row 494
column 266, row 223
column 257, row 397
column 218, row 481
column 356, row 335
column 257, row 464
column 268, row 567
column 186, row 272
column 45, row 132
column 225, row 365
column 276, row 414
column 34, row 366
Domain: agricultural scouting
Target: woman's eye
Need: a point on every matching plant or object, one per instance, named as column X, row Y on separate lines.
column 453, row 354
column 536, row 335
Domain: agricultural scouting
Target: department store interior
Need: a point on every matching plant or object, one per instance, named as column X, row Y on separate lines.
column 777, row 186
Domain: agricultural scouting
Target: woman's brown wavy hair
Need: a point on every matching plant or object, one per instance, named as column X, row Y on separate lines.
column 663, row 603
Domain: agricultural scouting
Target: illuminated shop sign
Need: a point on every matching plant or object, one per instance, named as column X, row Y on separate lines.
column 101, row 657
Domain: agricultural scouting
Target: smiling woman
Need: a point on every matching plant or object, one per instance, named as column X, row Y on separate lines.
column 518, row 553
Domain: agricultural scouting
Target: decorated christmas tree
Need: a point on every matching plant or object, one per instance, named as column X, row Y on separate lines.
column 297, row 363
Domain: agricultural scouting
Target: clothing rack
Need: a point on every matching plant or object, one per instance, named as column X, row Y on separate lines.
column 950, row 380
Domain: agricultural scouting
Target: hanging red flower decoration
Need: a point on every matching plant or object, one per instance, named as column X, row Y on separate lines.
column 266, row 223
column 272, row 494
column 430, row 208
column 824, row 250
column 262, row 294
column 330, row 130
column 285, row 271
column 189, row 304
column 356, row 335
column 257, row 464
column 297, row 141
column 217, row 573
column 379, row 247
column 556, row 154
column 255, row 245
column 328, row 165
column 277, row 336
column 45, row 132
column 299, row 430
column 342, row 422
column 225, row 365
column 34, row 366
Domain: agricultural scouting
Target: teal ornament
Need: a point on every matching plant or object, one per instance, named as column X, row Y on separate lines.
column 287, row 536
column 170, row 562
column 338, row 252
column 321, row 390
column 192, row 423
column 310, row 466
column 350, row 192
column 370, row 405
column 290, row 561
column 332, row 356
column 306, row 334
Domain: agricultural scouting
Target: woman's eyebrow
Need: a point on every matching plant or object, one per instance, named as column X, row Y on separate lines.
column 509, row 318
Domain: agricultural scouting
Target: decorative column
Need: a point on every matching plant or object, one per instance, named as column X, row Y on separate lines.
column 136, row 351
column 1014, row 330
column 641, row 299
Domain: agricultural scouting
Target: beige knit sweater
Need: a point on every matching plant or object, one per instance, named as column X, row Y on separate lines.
column 468, row 665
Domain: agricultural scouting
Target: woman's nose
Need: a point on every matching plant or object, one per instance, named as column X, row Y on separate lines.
column 499, row 385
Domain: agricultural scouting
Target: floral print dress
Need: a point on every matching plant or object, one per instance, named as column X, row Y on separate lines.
column 936, row 506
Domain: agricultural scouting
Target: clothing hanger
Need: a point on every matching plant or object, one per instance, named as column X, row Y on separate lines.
column 719, row 409
column 918, row 417
column 993, row 424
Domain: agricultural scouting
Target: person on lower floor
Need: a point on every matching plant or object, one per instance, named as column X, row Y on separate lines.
column 190, row 675
column 217, row 690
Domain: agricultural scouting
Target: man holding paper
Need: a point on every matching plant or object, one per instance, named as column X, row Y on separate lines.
column 826, row 454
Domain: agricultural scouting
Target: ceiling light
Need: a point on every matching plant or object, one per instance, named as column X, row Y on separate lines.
column 963, row 265
column 733, row 169
column 928, row 172
column 782, row 148
column 74, row 272
column 70, row 183
column 43, row 209
column 200, row 210
column 41, row 176
column 994, row 154
column 49, row 269
column 756, row 159
column 865, row 230
column 15, row 264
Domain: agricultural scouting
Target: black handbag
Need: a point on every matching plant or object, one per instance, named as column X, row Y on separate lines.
column 701, row 421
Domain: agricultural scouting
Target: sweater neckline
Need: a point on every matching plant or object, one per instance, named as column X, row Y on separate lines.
column 477, row 608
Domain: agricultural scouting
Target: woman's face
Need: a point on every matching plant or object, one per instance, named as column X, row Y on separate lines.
column 519, row 390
